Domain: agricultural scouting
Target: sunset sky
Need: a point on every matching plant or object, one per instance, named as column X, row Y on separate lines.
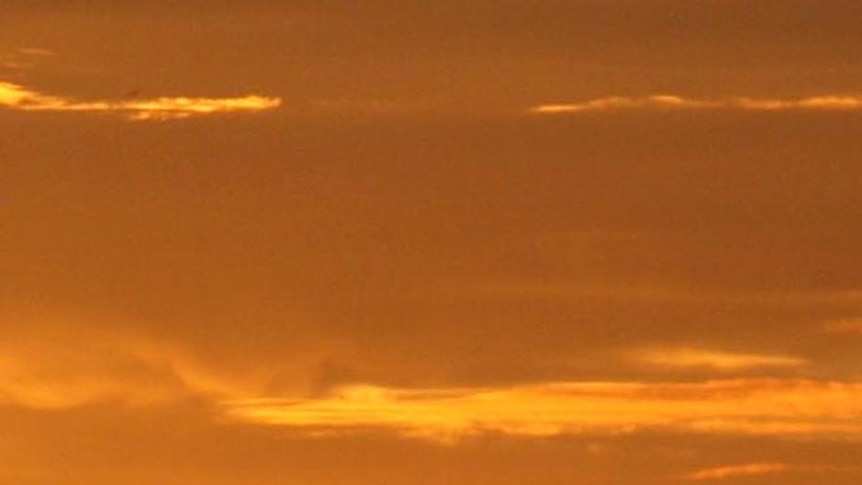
column 604, row 242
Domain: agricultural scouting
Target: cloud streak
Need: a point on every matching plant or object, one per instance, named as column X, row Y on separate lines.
column 778, row 407
column 722, row 361
column 19, row 98
column 674, row 102
column 736, row 471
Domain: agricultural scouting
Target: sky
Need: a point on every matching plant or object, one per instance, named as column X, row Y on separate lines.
column 485, row 242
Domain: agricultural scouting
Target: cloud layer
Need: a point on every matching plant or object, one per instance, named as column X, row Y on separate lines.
column 674, row 102
column 737, row 406
column 20, row 98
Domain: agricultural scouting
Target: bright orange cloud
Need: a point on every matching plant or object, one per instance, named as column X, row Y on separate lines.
column 653, row 102
column 17, row 97
column 742, row 406
column 49, row 369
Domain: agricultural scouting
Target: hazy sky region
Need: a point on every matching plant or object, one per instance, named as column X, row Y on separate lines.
column 454, row 242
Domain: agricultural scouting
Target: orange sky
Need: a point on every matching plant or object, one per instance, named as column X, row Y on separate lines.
column 350, row 243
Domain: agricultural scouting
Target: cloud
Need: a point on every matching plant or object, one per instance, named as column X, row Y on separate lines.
column 59, row 368
column 23, row 58
column 20, row 98
column 620, row 102
column 65, row 367
column 748, row 470
column 723, row 361
column 673, row 102
column 779, row 407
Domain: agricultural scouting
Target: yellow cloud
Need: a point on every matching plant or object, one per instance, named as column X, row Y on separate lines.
column 748, row 470
column 619, row 102
column 724, row 361
column 13, row 95
column 17, row 97
column 741, row 406
column 664, row 101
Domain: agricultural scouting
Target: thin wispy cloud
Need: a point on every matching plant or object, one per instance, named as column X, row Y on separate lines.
column 702, row 358
column 674, row 102
column 741, row 406
column 56, row 370
column 736, row 471
column 24, row 58
column 19, row 98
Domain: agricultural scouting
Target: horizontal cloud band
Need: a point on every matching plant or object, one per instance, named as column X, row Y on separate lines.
column 16, row 97
column 736, row 406
column 657, row 102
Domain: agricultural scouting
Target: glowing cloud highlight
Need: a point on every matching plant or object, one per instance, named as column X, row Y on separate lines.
column 674, row 102
column 742, row 406
column 17, row 97
column 736, row 471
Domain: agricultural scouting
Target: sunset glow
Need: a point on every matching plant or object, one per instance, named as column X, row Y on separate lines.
column 767, row 407
column 580, row 242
